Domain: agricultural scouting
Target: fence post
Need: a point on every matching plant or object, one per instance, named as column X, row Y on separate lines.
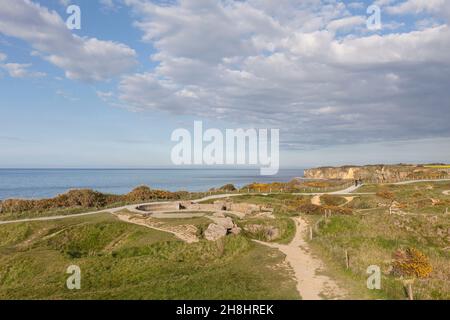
column 310, row 233
column 410, row 291
column 347, row 260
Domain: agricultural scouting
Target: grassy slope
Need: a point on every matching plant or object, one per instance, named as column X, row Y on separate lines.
column 120, row 260
column 371, row 237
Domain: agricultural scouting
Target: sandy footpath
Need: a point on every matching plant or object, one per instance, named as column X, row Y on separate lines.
column 310, row 283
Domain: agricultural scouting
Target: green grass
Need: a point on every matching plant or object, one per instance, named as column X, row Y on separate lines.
column 372, row 238
column 417, row 198
column 119, row 260
column 286, row 227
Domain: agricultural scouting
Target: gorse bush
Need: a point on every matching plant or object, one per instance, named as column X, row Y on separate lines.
column 86, row 198
column 144, row 193
column 228, row 187
column 411, row 263
column 309, row 208
column 74, row 198
column 266, row 187
column 331, row 200
column 386, row 194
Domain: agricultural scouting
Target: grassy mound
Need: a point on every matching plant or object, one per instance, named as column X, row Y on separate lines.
column 125, row 261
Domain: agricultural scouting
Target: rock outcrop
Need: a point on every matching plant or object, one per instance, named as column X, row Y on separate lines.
column 215, row 232
column 220, row 228
column 381, row 173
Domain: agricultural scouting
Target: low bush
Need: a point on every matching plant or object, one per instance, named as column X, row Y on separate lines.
column 411, row 263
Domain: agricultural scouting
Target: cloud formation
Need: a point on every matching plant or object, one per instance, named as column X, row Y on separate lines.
column 21, row 70
column 87, row 59
column 284, row 65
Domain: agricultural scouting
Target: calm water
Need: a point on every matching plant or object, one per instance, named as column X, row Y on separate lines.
column 43, row 183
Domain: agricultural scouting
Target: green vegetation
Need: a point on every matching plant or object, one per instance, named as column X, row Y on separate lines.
column 119, row 260
column 84, row 200
column 372, row 236
column 404, row 229
column 417, row 198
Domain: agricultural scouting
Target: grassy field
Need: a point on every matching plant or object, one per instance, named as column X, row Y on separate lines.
column 371, row 236
column 125, row 261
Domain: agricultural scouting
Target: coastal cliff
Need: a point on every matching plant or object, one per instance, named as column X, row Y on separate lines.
column 378, row 172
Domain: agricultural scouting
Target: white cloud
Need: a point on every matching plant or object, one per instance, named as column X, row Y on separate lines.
column 416, row 6
column 280, row 64
column 81, row 58
column 346, row 23
column 105, row 95
column 19, row 70
column 440, row 8
column 109, row 5
column 2, row 56
column 356, row 5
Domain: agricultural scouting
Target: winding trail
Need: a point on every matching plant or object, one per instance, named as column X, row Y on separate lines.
column 311, row 285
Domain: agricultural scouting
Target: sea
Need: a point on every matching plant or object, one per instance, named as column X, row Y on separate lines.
column 47, row 183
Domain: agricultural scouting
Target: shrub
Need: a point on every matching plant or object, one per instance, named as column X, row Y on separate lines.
column 386, row 194
column 74, row 198
column 144, row 193
column 309, row 208
column 338, row 210
column 331, row 200
column 266, row 187
column 228, row 187
column 411, row 263
column 86, row 198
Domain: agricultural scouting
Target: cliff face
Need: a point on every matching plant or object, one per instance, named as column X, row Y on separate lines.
column 376, row 172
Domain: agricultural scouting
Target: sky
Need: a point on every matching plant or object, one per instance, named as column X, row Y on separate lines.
column 111, row 93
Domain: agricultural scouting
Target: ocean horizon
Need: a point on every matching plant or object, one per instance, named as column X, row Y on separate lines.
column 32, row 183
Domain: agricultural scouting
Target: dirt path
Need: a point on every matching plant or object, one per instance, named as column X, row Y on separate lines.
column 316, row 200
column 310, row 283
column 348, row 199
column 446, row 192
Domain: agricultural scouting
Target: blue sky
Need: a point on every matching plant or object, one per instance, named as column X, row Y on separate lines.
column 110, row 94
